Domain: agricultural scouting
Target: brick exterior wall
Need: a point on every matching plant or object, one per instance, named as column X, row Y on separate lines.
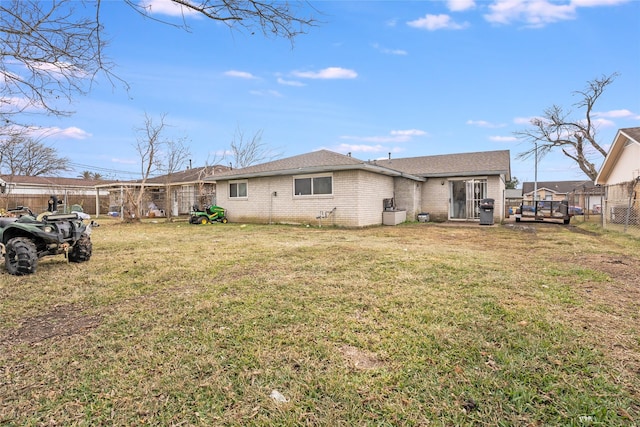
column 357, row 198
column 436, row 199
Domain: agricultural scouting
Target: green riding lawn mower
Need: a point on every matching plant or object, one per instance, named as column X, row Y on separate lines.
column 210, row 214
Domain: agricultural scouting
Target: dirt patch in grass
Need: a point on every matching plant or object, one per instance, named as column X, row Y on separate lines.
column 360, row 359
column 61, row 321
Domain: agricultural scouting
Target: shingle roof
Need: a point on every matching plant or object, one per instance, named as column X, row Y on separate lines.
column 51, row 181
column 490, row 162
column 484, row 162
column 315, row 159
column 633, row 133
column 560, row 187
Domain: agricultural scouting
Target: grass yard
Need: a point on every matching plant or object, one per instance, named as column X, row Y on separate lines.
column 421, row 324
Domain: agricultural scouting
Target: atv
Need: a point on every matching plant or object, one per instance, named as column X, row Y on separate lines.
column 210, row 214
column 25, row 238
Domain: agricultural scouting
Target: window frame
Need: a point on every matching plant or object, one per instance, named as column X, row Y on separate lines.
column 312, row 177
column 237, row 183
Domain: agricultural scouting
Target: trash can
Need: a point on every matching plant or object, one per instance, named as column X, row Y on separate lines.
column 486, row 211
column 423, row 217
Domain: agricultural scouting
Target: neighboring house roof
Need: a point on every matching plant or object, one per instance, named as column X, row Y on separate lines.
column 559, row 187
column 623, row 137
column 48, row 181
column 314, row 162
column 461, row 164
column 417, row 168
column 189, row 176
column 513, row 193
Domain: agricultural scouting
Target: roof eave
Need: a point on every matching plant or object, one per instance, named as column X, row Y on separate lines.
column 318, row 169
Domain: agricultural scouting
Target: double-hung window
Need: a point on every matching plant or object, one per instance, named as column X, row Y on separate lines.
column 313, row 185
column 238, row 189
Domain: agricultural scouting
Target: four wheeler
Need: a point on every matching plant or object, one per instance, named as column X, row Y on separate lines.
column 210, row 214
column 26, row 238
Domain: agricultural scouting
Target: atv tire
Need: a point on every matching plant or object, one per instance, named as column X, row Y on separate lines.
column 81, row 251
column 21, row 257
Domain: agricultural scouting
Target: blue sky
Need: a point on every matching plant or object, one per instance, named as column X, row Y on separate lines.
column 373, row 77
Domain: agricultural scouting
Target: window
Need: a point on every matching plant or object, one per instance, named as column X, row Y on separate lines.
column 313, row 186
column 238, row 189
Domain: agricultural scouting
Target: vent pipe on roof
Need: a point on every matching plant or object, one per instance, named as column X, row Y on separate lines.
column 349, row 154
column 389, row 155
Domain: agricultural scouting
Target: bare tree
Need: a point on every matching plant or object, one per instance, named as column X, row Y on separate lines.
column 23, row 155
column 52, row 51
column 148, row 145
column 248, row 151
column 272, row 18
column 576, row 138
column 49, row 49
column 173, row 158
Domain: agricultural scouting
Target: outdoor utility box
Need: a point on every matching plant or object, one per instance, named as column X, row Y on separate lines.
column 423, row 217
column 486, row 211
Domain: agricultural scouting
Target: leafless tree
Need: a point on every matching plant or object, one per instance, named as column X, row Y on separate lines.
column 576, row 138
column 52, row 51
column 272, row 18
column 49, row 52
column 148, row 145
column 22, row 155
column 249, row 151
column 172, row 159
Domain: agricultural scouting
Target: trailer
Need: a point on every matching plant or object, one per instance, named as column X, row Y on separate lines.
column 544, row 210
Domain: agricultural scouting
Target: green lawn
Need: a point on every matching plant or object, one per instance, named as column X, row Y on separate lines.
column 418, row 324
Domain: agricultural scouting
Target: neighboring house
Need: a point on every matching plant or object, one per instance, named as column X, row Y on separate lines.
column 552, row 190
column 173, row 194
column 622, row 163
column 35, row 191
column 513, row 199
column 332, row 188
column 620, row 176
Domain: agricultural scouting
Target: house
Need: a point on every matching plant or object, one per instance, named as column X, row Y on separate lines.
column 170, row 194
column 35, row 191
column 622, row 163
column 551, row 190
column 619, row 175
column 324, row 187
column 581, row 195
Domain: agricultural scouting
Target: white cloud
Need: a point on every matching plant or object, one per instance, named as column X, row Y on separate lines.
column 71, row 132
column 240, row 74
column 592, row 3
column 290, row 82
column 498, row 138
column 125, row 161
column 538, row 13
column 389, row 51
column 460, row 5
column 394, row 136
column 485, row 124
column 166, row 7
column 327, row 74
column 360, row 148
column 408, row 132
column 437, row 22
column 525, row 120
column 273, row 93
column 615, row 114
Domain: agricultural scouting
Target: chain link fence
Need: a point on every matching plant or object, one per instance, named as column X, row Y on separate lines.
column 614, row 207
